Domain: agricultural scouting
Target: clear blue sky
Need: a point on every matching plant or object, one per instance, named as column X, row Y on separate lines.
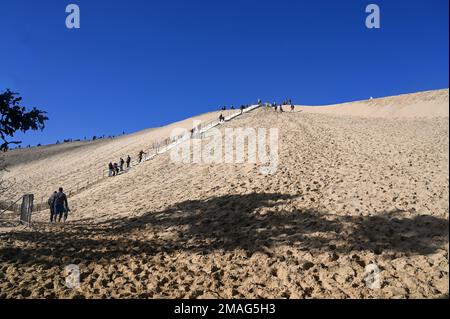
column 140, row 63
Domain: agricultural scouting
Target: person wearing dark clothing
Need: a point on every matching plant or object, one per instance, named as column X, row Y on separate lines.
column 51, row 204
column 111, row 169
column 128, row 161
column 121, row 163
column 61, row 205
column 292, row 107
column 116, row 168
column 141, row 154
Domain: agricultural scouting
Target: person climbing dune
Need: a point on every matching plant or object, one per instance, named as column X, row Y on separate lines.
column 140, row 156
column 111, row 169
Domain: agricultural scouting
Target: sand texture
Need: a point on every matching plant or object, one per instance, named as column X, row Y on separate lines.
column 357, row 184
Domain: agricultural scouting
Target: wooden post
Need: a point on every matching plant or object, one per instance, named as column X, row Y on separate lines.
column 26, row 209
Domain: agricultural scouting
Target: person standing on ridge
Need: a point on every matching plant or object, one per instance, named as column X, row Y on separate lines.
column 128, row 161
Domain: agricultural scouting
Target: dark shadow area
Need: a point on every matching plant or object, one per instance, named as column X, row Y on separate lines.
column 251, row 222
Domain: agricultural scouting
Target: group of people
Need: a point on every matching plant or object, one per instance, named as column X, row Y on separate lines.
column 277, row 107
column 242, row 107
column 59, row 207
column 115, row 168
column 287, row 102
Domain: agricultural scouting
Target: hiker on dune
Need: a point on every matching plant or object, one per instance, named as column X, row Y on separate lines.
column 128, row 161
column 121, row 163
column 141, row 154
column 61, row 206
column 51, row 204
column 111, row 169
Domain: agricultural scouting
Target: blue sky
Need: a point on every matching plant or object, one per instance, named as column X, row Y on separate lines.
column 144, row 63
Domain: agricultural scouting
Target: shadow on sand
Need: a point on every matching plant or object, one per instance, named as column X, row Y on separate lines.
column 252, row 222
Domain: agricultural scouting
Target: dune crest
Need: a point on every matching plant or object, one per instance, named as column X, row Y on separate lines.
column 424, row 104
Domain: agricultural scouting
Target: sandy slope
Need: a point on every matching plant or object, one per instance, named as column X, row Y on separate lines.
column 426, row 104
column 349, row 191
column 39, row 170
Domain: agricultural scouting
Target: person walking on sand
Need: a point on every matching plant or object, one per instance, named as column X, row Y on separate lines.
column 111, row 169
column 128, row 161
column 61, row 206
column 141, row 154
column 51, row 204
column 116, row 169
column 121, row 163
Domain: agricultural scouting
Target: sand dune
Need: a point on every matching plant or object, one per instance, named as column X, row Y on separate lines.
column 357, row 184
column 427, row 104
